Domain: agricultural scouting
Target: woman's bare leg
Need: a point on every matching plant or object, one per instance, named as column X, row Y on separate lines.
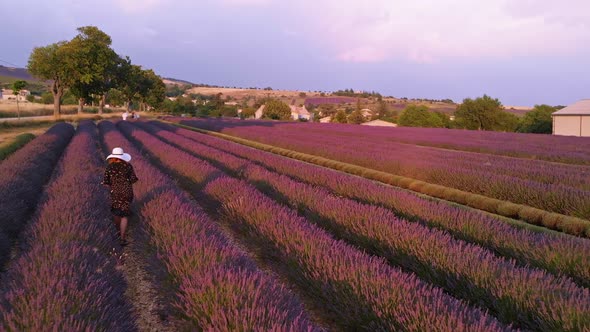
column 123, row 227
column 117, row 221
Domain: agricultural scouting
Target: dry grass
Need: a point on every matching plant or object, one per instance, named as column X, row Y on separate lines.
column 9, row 134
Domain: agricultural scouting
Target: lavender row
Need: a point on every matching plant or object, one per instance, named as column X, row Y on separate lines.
column 508, row 290
column 364, row 291
column 22, row 177
column 556, row 253
column 470, row 172
column 217, row 286
column 574, row 150
column 66, row 277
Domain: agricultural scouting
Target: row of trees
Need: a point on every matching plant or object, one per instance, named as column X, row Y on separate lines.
column 483, row 113
column 90, row 69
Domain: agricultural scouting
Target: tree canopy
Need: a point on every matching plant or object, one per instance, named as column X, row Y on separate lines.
column 50, row 63
column 277, row 110
column 538, row 120
column 419, row 116
column 484, row 113
column 92, row 63
column 340, row 117
column 89, row 68
column 356, row 117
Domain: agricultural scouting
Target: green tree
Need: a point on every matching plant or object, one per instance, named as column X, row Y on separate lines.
column 538, row 120
column 483, row 113
column 91, row 60
column 248, row 112
column 419, row 116
column 130, row 82
column 444, row 118
column 340, row 117
column 356, row 117
column 277, row 110
column 506, row 121
column 17, row 86
column 50, row 63
column 114, row 98
column 152, row 90
column 47, row 98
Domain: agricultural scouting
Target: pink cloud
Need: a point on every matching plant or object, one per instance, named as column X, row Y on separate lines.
column 426, row 31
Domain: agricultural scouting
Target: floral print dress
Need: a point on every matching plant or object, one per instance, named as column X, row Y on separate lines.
column 120, row 176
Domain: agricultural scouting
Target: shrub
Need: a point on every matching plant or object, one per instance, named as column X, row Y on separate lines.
column 532, row 215
column 508, row 209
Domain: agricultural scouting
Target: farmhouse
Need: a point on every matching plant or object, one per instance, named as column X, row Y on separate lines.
column 8, row 94
column 297, row 113
column 300, row 113
column 573, row 120
column 379, row 123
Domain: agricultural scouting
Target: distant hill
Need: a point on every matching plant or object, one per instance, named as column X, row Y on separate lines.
column 15, row 73
column 174, row 81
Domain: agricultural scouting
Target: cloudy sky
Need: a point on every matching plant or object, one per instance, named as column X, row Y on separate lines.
column 523, row 52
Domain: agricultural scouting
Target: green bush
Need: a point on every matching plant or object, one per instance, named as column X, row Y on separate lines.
column 531, row 215
column 508, row 209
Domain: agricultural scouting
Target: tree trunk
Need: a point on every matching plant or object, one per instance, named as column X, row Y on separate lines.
column 80, row 105
column 17, row 108
column 56, row 104
column 103, row 100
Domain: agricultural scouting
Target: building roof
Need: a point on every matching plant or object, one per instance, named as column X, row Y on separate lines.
column 379, row 123
column 581, row 107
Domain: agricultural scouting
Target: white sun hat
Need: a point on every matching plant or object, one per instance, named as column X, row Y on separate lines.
column 119, row 154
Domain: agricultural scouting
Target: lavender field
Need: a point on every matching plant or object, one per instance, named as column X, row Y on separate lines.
column 555, row 187
column 241, row 239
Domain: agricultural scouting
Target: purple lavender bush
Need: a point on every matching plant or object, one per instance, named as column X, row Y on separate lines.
column 217, row 286
column 554, row 252
column 363, row 290
column 432, row 254
column 563, row 189
column 66, row 276
column 22, row 176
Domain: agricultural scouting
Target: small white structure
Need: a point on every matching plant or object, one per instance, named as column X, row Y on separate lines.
column 367, row 113
column 300, row 113
column 326, row 119
column 8, row 94
column 573, row 120
column 379, row 123
column 259, row 112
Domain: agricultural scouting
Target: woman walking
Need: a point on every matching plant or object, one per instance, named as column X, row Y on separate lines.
column 120, row 176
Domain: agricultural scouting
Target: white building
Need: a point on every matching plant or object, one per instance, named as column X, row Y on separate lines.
column 326, row 119
column 573, row 120
column 300, row 113
column 8, row 94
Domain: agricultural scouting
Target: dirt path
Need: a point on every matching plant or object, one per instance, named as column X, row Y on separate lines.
column 144, row 281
